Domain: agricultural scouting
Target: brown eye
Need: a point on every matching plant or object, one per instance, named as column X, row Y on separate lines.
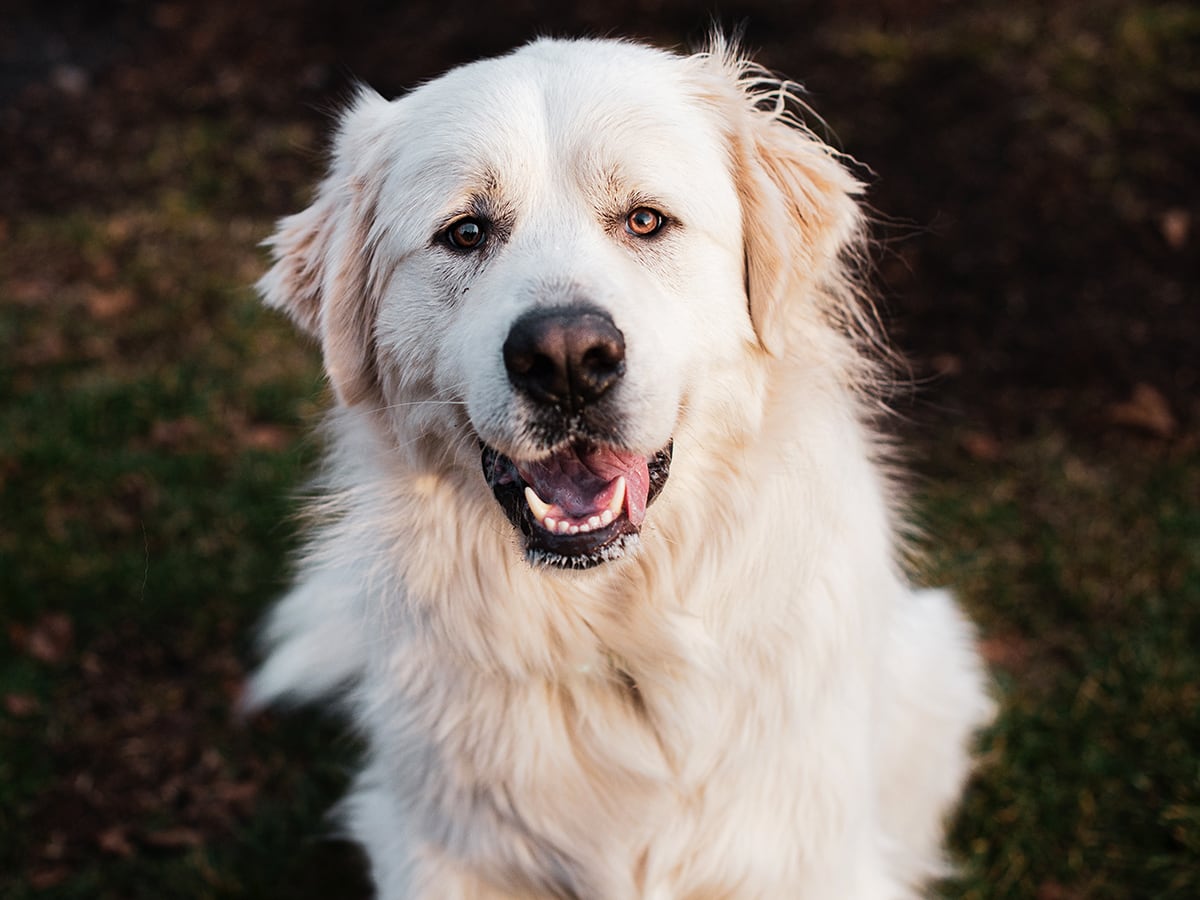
column 466, row 234
column 644, row 221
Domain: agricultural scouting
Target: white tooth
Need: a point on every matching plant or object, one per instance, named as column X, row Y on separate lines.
column 539, row 506
column 563, row 526
column 548, row 523
column 617, row 503
column 585, row 528
column 574, row 529
column 606, row 517
column 594, row 522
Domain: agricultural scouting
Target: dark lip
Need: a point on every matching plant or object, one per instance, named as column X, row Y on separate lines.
column 566, row 551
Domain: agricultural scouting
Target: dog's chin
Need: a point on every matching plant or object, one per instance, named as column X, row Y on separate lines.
column 579, row 506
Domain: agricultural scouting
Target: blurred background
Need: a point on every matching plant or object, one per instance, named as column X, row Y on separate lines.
column 1035, row 174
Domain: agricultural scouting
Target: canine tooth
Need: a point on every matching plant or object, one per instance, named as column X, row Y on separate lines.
column 539, row 506
column 606, row 517
column 617, row 503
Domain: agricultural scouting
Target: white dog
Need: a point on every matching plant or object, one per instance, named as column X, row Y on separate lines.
column 542, row 284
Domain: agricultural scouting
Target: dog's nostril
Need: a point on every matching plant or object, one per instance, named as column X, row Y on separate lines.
column 568, row 356
column 605, row 356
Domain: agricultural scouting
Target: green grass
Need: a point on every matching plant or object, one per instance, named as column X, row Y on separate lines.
column 1084, row 569
column 148, row 457
column 147, row 463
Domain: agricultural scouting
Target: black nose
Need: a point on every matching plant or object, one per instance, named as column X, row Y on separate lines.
column 566, row 356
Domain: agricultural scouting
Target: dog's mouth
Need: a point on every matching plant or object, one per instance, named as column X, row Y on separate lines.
column 580, row 506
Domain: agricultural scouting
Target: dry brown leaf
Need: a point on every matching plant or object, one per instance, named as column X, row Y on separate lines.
column 109, row 304
column 238, row 794
column 29, row 291
column 1008, row 652
column 1176, row 225
column 21, row 706
column 174, row 433
column 981, row 446
column 42, row 879
column 1146, row 410
column 115, row 841
column 266, row 437
column 50, row 638
column 946, row 365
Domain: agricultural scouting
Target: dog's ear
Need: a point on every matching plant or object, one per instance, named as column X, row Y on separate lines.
column 322, row 274
column 800, row 215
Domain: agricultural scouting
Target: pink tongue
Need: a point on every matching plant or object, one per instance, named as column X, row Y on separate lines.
column 580, row 481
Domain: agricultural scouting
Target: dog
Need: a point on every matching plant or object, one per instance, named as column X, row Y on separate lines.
column 607, row 566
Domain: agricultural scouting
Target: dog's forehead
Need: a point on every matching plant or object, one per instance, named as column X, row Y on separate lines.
column 598, row 107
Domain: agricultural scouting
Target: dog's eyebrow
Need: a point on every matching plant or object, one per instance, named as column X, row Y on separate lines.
column 618, row 193
column 491, row 207
column 482, row 201
column 614, row 186
column 480, row 194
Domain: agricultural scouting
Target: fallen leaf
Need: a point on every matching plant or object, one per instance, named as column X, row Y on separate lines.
column 238, row 794
column 50, row 638
column 91, row 664
column 1146, row 410
column 30, row 291
column 981, row 446
column 42, row 879
column 946, row 365
column 71, row 80
column 175, row 433
column 20, row 706
column 1176, row 224
column 266, row 437
column 108, row 304
column 1008, row 652
column 115, row 841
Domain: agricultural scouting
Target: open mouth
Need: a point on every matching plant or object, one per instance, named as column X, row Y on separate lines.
column 581, row 505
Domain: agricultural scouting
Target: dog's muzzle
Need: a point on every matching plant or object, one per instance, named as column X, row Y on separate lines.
column 584, row 501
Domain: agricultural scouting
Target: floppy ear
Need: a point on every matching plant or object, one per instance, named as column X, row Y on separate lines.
column 323, row 257
column 800, row 218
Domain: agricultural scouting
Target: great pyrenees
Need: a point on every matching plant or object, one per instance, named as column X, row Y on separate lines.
column 606, row 567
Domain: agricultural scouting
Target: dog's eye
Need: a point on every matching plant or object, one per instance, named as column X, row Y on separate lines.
column 644, row 221
column 466, row 234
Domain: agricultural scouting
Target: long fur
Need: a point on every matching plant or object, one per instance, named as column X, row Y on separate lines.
column 754, row 704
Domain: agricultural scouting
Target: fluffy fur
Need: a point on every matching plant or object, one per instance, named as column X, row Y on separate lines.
column 747, row 700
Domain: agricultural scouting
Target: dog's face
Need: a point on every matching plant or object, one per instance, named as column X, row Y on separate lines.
column 543, row 260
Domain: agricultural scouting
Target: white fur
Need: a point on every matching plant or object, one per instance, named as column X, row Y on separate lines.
column 753, row 704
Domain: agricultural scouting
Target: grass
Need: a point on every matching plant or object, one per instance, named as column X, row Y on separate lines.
column 148, row 448
column 147, row 458
column 153, row 431
column 1084, row 569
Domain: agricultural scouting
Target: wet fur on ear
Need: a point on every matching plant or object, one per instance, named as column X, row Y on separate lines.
column 801, row 222
column 323, row 272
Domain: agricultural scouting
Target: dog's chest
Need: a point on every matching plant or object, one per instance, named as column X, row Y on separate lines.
column 601, row 785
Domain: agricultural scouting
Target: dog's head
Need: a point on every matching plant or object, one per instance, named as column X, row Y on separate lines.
column 569, row 261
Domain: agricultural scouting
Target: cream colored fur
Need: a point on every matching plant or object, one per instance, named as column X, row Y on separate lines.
column 754, row 704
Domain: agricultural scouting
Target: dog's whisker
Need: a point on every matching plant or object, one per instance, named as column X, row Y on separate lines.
column 429, row 401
